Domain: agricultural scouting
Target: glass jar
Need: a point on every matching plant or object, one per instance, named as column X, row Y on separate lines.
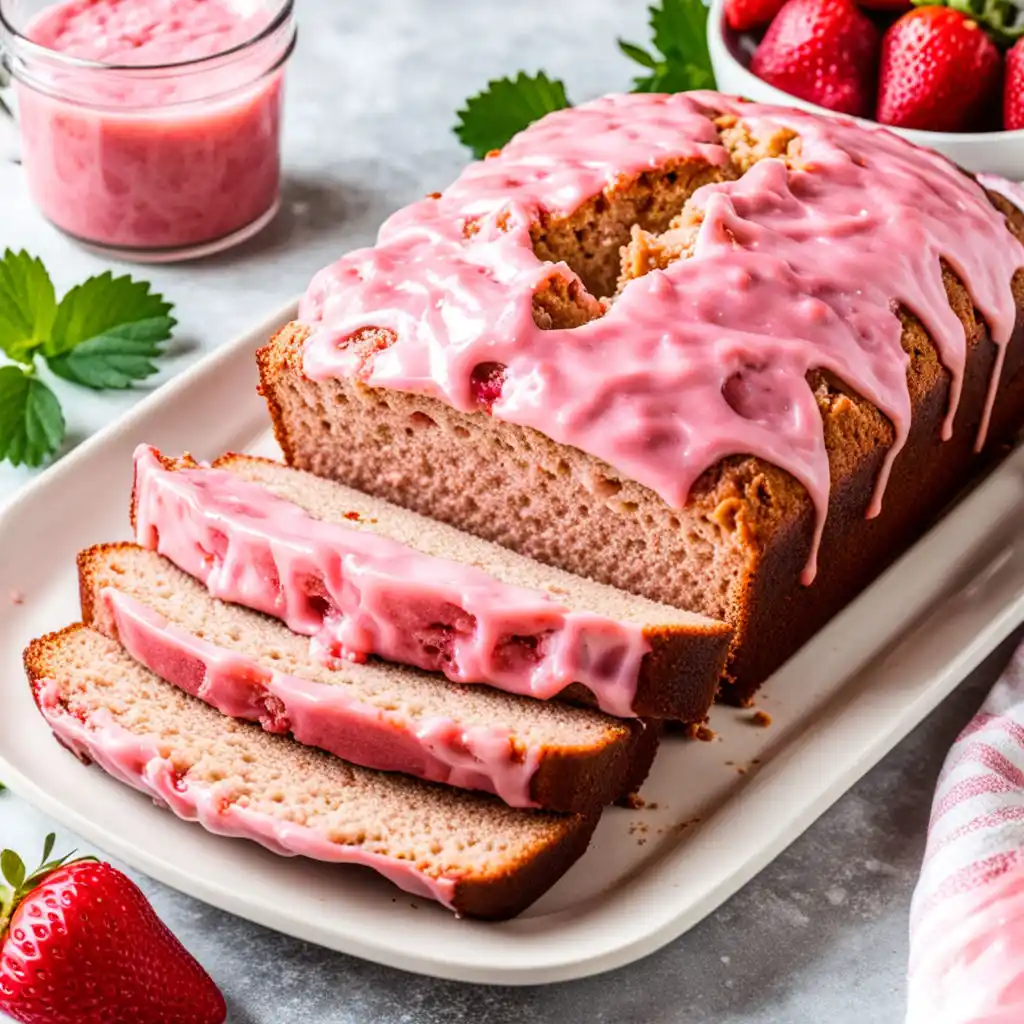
column 151, row 162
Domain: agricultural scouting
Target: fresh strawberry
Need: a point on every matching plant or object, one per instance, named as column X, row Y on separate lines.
column 940, row 71
column 744, row 15
column 824, row 51
column 79, row 944
column 1013, row 90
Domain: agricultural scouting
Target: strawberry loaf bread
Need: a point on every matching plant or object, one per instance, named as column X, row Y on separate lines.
column 730, row 357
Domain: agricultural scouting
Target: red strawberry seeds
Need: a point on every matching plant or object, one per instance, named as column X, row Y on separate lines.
column 824, row 51
column 82, row 945
column 940, row 71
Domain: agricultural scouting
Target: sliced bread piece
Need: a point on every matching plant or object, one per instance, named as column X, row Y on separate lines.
column 471, row 853
column 365, row 577
column 389, row 717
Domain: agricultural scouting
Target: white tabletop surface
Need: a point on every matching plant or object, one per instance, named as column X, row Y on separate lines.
column 818, row 937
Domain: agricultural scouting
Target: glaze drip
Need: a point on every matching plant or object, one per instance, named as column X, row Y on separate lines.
column 798, row 265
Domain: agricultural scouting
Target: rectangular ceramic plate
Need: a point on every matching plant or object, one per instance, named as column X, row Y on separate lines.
column 716, row 812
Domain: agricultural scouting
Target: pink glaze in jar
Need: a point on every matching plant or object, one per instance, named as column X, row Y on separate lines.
column 150, row 128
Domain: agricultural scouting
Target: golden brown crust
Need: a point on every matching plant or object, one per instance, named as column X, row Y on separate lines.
column 568, row 780
column 495, row 897
column 764, row 516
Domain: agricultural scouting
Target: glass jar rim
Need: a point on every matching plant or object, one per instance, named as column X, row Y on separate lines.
column 30, row 48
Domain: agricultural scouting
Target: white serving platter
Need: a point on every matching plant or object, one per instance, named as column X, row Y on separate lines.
column 652, row 873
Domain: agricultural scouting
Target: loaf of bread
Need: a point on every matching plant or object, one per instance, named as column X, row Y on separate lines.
column 731, row 357
column 363, row 577
column 471, row 853
column 383, row 716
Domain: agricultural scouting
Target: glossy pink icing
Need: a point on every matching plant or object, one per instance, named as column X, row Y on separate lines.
column 137, row 762
column 152, row 161
column 357, row 593
column 438, row 749
column 792, row 270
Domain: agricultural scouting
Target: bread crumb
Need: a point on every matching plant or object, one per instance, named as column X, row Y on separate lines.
column 761, row 718
column 632, row 802
column 705, row 734
column 17, row 597
column 741, row 770
column 730, row 763
column 652, row 805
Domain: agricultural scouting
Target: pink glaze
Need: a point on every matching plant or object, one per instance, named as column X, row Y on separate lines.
column 974, row 970
column 357, row 593
column 120, row 156
column 793, row 270
column 438, row 749
column 137, row 762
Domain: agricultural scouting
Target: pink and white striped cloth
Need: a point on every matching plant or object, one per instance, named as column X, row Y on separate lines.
column 967, row 916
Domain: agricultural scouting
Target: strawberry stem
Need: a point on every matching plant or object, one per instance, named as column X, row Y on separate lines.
column 1002, row 19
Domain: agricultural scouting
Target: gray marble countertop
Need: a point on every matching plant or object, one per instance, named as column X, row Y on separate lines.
column 820, row 936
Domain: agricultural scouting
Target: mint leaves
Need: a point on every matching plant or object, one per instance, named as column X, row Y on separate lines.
column 505, row 107
column 679, row 35
column 679, row 62
column 104, row 333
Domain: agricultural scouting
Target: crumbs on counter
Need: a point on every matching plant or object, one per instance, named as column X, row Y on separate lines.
column 632, row 802
column 705, row 734
column 16, row 597
column 740, row 770
column 761, row 718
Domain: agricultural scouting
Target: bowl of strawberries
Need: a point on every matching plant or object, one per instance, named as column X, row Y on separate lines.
column 947, row 74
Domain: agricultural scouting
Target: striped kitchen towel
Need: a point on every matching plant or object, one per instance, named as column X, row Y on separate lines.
column 967, row 916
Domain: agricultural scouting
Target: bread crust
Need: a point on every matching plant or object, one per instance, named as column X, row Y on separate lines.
column 570, row 780
column 754, row 518
column 497, row 896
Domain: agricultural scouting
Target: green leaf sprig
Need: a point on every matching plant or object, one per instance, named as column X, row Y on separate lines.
column 102, row 334
column 680, row 38
column 505, row 107
column 679, row 62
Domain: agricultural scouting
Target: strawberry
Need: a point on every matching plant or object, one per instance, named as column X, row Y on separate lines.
column 80, row 944
column 824, row 51
column 940, row 71
column 1013, row 90
column 744, row 15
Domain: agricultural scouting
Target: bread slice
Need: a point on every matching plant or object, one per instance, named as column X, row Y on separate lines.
column 364, row 577
column 471, row 853
column 389, row 717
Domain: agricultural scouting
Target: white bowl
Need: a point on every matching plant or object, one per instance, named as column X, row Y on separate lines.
column 993, row 152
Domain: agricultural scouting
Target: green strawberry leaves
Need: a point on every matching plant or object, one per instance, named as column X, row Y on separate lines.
column 682, row 61
column 505, row 107
column 31, row 422
column 105, row 333
column 27, row 305
column 679, row 62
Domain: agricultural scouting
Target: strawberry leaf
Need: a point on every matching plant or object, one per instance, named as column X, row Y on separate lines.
column 48, row 845
column 102, row 304
column 505, row 107
column 31, row 423
column 27, row 305
column 639, row 54
column 115, row 358
column 13, row 869
column 679, row 34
